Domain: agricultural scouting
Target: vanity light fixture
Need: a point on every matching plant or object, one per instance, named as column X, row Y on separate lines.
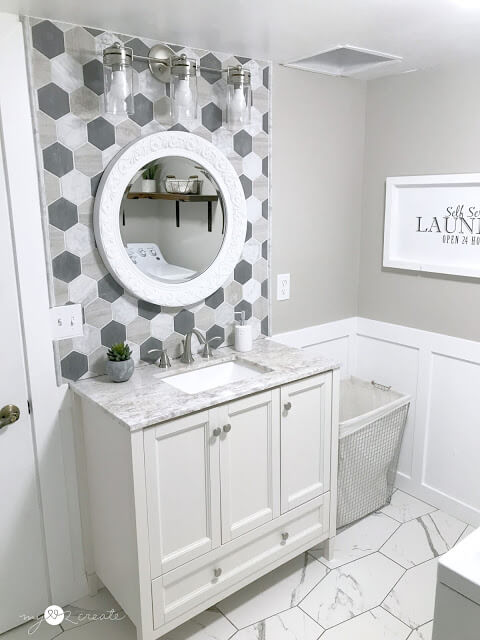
column 181, row 73
column 117, row 77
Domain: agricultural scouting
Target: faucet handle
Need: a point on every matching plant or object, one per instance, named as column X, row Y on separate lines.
column 207, row 349
column 163, row 361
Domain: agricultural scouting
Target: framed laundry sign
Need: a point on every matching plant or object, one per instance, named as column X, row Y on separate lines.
column 432, row 223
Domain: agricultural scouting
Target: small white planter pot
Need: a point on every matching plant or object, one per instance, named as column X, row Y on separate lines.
column 119, row 371
column 149, row 186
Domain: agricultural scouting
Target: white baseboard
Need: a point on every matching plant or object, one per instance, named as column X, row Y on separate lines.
column 441, row 448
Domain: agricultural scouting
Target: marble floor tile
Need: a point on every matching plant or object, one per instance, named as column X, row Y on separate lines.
column 466, row 533
column 351, row 590
column 208, row 625
column 413, row 598
column 423, row 633
column 90, row 608
column 376, row 624
column 279, row 590
column 292, row 624
column 424, row 538
column 102, row 630
column 359, row 540
column 37, row 629
column 404, row 507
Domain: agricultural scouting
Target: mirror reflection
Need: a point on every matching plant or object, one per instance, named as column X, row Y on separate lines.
column 172, row 219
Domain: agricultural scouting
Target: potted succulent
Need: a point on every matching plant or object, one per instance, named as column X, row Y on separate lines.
column 149, row 183
column 119, row 362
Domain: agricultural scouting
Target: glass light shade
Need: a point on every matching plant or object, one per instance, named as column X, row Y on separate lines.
column 118, row 80
column 183, row 89
column 239, row 98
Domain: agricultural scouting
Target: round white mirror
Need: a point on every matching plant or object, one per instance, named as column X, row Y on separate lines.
column 170, row 218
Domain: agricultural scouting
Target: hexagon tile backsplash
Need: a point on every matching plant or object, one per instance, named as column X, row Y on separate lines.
column 76, row 141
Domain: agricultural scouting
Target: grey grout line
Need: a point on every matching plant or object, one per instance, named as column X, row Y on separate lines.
column 227, row 618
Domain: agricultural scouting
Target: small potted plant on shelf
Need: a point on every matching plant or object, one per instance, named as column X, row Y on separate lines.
column 119, row 362
column 149, row 183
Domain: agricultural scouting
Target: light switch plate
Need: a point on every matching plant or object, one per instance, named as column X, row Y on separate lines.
column 66, row 321
column 283, row 286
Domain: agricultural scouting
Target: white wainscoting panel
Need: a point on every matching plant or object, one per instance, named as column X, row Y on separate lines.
column 440, row 457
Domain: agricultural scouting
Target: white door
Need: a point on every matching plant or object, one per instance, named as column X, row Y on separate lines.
column 183, row 491
column 23, row 581
column 249, row 462
column 306, row 426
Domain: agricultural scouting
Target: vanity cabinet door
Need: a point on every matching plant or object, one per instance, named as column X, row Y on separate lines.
column 249, row 462
column 306, row 416
column 183, row 491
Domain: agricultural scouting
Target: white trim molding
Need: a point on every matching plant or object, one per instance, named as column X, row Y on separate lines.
column 440, row 450
column 115, row 180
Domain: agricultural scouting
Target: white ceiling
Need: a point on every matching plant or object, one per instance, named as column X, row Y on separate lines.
column 424, row 33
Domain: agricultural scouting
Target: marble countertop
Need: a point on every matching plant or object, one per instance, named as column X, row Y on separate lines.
column 148, row 399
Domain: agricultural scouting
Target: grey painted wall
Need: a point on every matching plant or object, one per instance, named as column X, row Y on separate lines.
column 318, row 147
column 419, row 123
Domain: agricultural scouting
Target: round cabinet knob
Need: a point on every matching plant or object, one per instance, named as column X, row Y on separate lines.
column 285, row 536
column 217, row 431
column 287, row 406
column 217, row 573
column 227, row 428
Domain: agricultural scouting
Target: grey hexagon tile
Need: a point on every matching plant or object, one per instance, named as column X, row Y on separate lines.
column 215, row 299
column 215, row 335
column 266, row 77
column 56, row 241
column 150, row 87
column 184, row 322
column 233, row 293
column 260, row 308
column 85, row 104
column 92, row 265
column 148, row 310
column 52, row 187
column 243, row 305
column 204, row 318
column 203, row 133
column 260, row 187
column 145, row 347
column 242, row 143
column 53, row 101
column 260, row 271
column 265, row 249
column 85, row 212
column 252, row 166
column 265, row 165
column 143, row 110
column 140, row 49
column 47, row 131
column 64, row 347
column 101, row 133
column 260, row 230
column 260, row 144
column 265, row 122
column 251, row 251
column 48, row 39
column 109, row 154
column 98, row 313
column 93, row 76
column 212, row 117
column 94, row 182
column 260, row 99
column 109, row 289
column 74, row 366
column 265, row 288
column 247, row 186
column 79, row 240
column 66, row 72
column 89, row 342
column 254, row 209
column 41, row 69
column 112, row 333
column 265, row 209
column 80, row 44
column 161, row 326
column 75, row 187
column 178, row 127
column 251, row 291
column 138, row 330
column 71, row 131
column 97, row 361
column 124, row 309
column 162, row 110
column 150, row 127
column 243, row 272
column 82, row 290
column 88, row 160
column 62, row 214
column 66, row 266
column 213, row 62
column 60, row 291
column 265, row 326
column 126, row 131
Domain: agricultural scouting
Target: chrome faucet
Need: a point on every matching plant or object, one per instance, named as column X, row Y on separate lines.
column 187, row 357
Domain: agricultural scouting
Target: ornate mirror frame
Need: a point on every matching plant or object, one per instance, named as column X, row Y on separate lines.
column 115, row 180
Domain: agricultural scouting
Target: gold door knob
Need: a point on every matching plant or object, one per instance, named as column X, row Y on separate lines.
column 8, row 415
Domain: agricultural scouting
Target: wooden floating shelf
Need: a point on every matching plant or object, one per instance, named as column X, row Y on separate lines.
column 179, row 197
column 182, row 197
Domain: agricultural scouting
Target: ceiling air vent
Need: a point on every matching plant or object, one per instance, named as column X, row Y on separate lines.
column 343, row 60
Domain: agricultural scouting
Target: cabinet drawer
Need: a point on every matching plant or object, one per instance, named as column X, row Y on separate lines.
column 182, row 589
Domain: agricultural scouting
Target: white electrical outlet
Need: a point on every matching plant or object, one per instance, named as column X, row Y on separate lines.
column 283, row 286
column 67, row 321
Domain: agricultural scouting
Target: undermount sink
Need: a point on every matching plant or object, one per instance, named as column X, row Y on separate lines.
column 216, row 375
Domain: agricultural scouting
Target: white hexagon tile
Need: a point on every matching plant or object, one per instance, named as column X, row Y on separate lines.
column 77, row 140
